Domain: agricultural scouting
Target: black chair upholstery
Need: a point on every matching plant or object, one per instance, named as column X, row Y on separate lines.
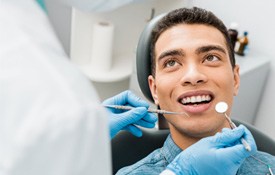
column 143, row 58
column 128, row 149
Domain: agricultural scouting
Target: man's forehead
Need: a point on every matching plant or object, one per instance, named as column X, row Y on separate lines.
column 188, row 34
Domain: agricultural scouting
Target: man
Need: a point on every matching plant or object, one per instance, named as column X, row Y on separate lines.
column 192, row 69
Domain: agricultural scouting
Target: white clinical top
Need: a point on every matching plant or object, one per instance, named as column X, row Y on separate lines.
column 51, row 121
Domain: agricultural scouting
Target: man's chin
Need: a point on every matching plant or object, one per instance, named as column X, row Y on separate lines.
column 195, row 132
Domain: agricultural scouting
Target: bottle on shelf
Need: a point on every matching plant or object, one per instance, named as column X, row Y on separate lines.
column 233, row 33
column 241, row 44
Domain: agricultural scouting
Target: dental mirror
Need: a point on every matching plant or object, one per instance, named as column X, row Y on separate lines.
column 221, row 107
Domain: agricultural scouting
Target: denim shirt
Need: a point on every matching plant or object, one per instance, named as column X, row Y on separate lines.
column 157, row 161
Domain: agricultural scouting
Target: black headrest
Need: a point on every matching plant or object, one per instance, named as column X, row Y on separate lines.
column 143, row 59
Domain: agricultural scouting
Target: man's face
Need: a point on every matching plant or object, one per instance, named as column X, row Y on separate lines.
column 193, row 74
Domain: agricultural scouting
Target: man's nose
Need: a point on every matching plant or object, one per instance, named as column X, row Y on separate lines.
column 193, row 75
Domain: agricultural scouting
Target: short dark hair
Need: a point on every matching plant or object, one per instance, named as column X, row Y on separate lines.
column 193, row 15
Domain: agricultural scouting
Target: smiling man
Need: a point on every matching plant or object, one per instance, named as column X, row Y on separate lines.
column 193, row 68
column 192, row 73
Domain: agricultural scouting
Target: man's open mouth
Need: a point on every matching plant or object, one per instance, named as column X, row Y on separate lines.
column 196, row 100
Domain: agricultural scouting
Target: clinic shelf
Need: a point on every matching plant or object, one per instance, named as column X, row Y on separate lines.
column 254, row 70
column 251, row 62
column 121, row 69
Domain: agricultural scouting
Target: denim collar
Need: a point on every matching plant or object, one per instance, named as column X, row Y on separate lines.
column 170, row 150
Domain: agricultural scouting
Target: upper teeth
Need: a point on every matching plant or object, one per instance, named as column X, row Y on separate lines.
column 196, row 99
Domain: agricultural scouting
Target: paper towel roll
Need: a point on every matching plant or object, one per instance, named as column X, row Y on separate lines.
column 102, row 46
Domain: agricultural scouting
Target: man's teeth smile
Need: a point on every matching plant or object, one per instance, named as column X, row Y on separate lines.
column 196, row 99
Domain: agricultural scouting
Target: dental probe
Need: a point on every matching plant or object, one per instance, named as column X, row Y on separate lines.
column 159, row 111
column 221, row 108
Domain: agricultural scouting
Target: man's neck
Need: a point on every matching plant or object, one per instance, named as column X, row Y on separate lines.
column 184, row 141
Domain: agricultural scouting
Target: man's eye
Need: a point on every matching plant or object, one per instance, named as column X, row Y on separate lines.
column 170, row 63
column 211, row 58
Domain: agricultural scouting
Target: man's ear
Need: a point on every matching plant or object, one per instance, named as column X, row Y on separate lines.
column 236, row 79
column 153, row 89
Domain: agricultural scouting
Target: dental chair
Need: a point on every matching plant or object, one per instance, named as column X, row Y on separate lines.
column 128, row 149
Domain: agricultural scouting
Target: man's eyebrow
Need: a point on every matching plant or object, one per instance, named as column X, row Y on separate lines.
column 208, row 48
column 176, row 52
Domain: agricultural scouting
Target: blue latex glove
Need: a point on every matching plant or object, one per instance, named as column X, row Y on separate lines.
column 127, row 120
column 219, row 154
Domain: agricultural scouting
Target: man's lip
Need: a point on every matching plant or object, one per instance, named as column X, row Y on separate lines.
column 197, row 109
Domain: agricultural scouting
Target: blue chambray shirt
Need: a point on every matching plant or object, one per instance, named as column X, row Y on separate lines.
column 157, row 161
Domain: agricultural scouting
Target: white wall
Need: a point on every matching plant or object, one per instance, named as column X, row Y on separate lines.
column 257, row 17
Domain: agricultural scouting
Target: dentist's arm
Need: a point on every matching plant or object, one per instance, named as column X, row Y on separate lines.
column 129, row 120
column 219, row 154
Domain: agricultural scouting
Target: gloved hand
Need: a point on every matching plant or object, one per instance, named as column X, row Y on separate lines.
column 127, row 120
column 219, row 154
